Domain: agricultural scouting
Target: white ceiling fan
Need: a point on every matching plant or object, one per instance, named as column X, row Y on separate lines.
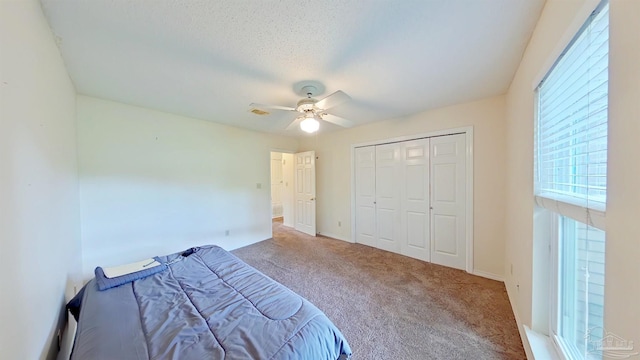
column 309, row 110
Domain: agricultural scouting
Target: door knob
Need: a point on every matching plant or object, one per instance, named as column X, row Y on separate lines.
column 313, row 199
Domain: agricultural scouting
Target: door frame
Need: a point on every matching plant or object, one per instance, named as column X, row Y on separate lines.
column 468, row 131
column 282, row 205
column 283, row 151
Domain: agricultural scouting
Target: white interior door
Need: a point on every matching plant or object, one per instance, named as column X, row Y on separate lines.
column 305, row 192
column 276, row 184
column 388, row 197
column 415, row 199
column 448, row 199
column 365, row 183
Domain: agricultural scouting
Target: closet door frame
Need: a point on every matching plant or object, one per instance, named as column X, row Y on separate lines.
column 468, row 131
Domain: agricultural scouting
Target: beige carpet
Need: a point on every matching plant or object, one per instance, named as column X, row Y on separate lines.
column 390, row 306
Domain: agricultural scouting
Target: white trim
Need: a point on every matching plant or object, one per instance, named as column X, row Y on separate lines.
column 279, row 150
column 68, row 339
column 536, row 345
column 560, row 350
column 575, row 209
column 541, row 345
column 581, row 16
column 333, row 236
column 488, row 275
column 583, row 204
column 468, row 131
column 469, row 204
column 352, row 155
column 292, row 192
column 554, row 273
column 453, row 131
column 521, row 329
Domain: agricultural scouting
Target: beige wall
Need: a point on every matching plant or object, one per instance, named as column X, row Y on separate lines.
column 39, row 221
column 153, row 183
column 559, row 21
column 543, row 48
column 333, row 176
column 622, row 286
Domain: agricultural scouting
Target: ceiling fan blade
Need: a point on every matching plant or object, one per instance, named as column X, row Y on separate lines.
column 275, row 107
column 295, row 123
column 337, row 120
column 332, row 100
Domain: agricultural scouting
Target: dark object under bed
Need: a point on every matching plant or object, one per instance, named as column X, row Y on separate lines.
column 208, row 305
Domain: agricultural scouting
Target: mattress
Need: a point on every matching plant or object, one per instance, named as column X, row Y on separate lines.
column 208, row 305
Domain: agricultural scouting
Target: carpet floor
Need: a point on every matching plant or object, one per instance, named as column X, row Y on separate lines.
column 389, row 306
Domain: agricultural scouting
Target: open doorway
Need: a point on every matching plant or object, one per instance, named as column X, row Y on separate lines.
column 282, row 186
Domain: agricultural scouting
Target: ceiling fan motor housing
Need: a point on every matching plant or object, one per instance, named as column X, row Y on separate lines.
column 306, row 104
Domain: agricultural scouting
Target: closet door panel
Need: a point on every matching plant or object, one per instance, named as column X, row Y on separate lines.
column 445, row 231
column 448, row 193
column 416, row 227
column 388, row 182
column 365, row 173
column 415, row 199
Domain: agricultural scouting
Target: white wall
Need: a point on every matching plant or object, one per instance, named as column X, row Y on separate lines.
column 39, row 212
column 153, row 183
column 622, row 282
column 333, row 174
column 559, row 21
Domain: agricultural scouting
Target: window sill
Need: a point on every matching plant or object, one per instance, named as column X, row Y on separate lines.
column 541, row 346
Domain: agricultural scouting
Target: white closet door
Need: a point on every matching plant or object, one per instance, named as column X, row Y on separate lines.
column 448, row 200
column 415, row 199
column 387, row 183
column 365, row 166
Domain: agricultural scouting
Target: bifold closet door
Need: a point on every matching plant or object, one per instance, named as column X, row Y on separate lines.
column 365, row 166
column 411, row 198
column 415, row 199
column 388, row 181
column 448, row 201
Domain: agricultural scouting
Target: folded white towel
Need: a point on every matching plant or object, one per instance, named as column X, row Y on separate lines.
column 121, row 270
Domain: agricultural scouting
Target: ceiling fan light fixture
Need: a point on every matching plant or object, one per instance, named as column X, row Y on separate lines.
column 309, row 125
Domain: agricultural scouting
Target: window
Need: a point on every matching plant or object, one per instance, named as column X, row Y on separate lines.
column 580, row 289
column 572, row 120
column 571, row 184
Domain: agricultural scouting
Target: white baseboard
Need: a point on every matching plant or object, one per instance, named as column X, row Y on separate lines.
column 333, row 236
column 488, row 275
column 68, row 337
column 521, row 329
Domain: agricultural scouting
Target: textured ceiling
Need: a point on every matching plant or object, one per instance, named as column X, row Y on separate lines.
column 210, row 59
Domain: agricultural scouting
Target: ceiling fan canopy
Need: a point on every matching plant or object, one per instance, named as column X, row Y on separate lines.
column 310, row 111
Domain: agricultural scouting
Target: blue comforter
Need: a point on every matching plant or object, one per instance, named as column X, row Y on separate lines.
column 209, row 305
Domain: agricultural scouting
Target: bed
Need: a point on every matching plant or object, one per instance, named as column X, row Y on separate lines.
column 207, row 305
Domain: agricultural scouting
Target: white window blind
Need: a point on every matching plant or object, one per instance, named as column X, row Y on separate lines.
column 571, row 136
